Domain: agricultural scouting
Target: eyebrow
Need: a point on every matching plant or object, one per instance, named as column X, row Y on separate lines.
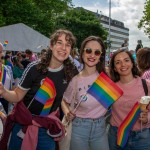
column 123, row 59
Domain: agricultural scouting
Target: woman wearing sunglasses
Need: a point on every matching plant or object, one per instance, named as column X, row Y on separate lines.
column 88, row 128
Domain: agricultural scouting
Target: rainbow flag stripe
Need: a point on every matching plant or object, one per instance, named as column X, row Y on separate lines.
column 5, row 43
column 105, row 90
column 3, row 75
column 127, row 124
column 46, row 95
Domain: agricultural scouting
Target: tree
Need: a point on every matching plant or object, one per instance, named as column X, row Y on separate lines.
column 38, row 14
column 82, row 23
column 145, row 21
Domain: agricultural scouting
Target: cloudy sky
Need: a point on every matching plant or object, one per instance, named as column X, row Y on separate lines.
column 127, row 11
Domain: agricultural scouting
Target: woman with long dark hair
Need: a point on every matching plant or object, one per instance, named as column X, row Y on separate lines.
column 88, row 122
column 124, row 72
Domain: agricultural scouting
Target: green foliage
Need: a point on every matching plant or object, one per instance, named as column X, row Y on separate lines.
column 82, row 23
column 46, row 16
column 145, row 21
column 38, row 14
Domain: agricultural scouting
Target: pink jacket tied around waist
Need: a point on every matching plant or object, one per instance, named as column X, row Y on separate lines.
column 22, row 115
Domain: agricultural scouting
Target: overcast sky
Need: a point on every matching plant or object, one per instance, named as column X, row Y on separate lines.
column 127, row 11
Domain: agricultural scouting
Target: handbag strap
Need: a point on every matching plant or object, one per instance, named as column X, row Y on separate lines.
column 145, row 86
column 74, row 93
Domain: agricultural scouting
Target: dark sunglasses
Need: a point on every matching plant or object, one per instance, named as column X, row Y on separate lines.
column 89, row 51
column 2, row 57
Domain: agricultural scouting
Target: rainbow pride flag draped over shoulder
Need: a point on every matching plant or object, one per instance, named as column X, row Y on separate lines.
column 46, row 95
column 127, row 124
column 105, row 90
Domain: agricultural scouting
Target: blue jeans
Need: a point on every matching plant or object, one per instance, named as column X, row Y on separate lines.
column 89, row 134
column 137, row 140
column 45, row 142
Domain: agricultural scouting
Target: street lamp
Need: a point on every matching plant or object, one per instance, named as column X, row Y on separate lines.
column 109, row 26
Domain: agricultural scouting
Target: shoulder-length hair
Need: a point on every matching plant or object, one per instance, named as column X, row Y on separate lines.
column 143, row 59
column 113, row 74
column 101, row 64
column 69, row 68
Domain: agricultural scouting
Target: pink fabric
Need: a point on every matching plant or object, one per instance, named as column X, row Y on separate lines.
column 29, row 136
column 90, row 108
column 21, row 114
column 132, row 93
column 146, row 75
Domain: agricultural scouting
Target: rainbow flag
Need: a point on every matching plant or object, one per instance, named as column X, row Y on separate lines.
column 5, row 43
column 127, row 124
column 3, row 75
column 105, row 90
column 46, row 95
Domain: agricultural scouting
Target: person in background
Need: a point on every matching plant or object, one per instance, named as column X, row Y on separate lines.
column 5, row 79
column 88, row 122
column 19, row 56
column 124, row 72
column 139, row 45
column 17, row 70
column 25, row 60
column 124, row 46
column 133, row 54
column 143, row 62
column 74, row 56
column 42, row 54
column 40, row 130
column 30, row 55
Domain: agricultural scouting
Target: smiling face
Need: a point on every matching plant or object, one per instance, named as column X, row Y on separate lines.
column 61, row 49
column 92, row 57
column 123, row 64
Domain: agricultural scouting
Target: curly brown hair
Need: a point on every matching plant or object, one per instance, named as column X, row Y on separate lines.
column 143, row 59
column 69, row 67
column 101, row 64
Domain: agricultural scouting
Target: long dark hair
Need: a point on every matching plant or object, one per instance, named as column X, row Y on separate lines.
column 69, row 67
column 101, row 64
column 143, row 59
column 113, row 74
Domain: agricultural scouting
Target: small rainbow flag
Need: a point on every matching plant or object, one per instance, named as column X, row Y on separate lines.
column 3, row 74
column 46, row 95
column 5, row 43
column 127, row 124
column 105, row 90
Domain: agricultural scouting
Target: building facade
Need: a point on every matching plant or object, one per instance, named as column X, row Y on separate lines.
column 118, row 32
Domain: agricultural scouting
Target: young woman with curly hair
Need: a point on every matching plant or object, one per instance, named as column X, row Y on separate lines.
column 30, row 129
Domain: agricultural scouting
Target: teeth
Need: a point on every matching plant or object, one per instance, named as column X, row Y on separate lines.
column 91, row 59
column 62, row 53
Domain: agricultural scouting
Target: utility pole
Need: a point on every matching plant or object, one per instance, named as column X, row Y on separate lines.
column 109, row 44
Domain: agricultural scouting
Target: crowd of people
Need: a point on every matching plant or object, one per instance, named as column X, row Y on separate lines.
column 42, row 89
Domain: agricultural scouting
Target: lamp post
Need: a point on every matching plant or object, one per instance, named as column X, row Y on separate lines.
column 109, row 27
